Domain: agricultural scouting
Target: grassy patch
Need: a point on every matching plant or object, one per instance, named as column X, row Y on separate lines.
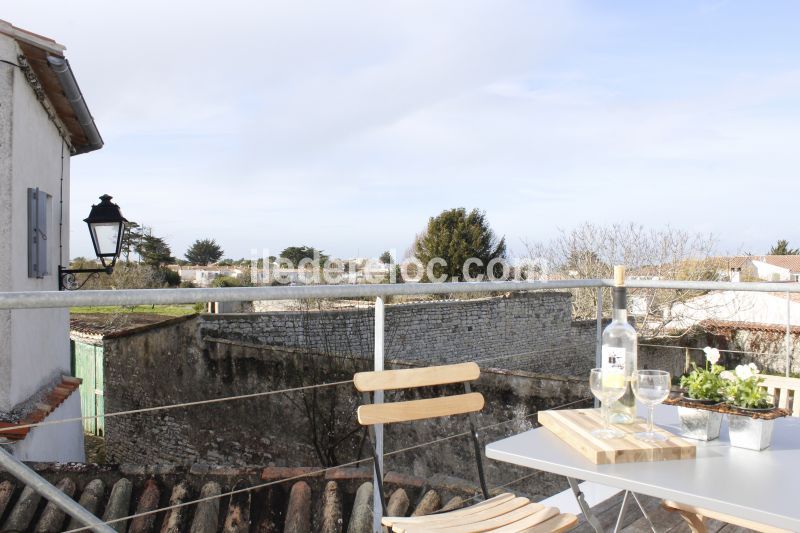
column 166, row 310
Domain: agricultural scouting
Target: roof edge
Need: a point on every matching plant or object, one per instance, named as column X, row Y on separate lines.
column 34, row 39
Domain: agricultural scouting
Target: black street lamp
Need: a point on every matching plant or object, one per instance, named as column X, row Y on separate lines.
column 106, row 227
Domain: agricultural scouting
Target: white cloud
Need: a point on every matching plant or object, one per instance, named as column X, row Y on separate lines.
column 345, row 125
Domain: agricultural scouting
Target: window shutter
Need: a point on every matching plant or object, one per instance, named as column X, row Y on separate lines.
column 38, row 218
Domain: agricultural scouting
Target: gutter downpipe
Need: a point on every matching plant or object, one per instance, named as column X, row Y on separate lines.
column 69, row 84
column 22, row 472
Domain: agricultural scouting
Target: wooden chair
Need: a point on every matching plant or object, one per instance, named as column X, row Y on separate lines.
column 785, row 393
column 503, row 513
column 695, row 517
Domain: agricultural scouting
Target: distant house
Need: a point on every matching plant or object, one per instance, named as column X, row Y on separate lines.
column 203, row 276
column 753, row 308
column 44, row 120
column 761, row 267
column 777, row 267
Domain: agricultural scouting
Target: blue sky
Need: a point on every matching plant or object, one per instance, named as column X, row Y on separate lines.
column 345, row 125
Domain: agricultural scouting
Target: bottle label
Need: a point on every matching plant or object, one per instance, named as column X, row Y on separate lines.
column 613, row 360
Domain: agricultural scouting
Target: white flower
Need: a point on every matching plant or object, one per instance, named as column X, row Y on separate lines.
column 754, row 368
column 744, row 372
column 712, row 354
column 727, row 375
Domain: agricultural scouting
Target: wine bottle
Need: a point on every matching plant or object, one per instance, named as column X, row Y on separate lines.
column 619, row 351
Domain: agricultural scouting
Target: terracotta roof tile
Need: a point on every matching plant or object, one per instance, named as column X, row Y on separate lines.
column 11, row 430
column 313, row 501
column 791, row 262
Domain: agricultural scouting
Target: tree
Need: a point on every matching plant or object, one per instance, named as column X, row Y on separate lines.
column 227, row 281
column 590, row 251
column 386, row 258
column 203, row 252
column 130, row 237
column 295, row 254
column 456, row 236
column 782, row 248
column 154, row 251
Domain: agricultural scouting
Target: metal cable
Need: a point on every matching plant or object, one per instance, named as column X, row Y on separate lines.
column 173, row 406
column 500, row 357
column 232, row 398
column 701, row 349
column 323, row 470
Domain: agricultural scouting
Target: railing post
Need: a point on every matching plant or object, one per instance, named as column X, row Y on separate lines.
column 377, row 508
column 599, row 339
column 30, row 478
column 687, row 360
column 598, row 348
column 788, row 334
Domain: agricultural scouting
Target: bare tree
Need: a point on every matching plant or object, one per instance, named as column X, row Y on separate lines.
column 591, row 251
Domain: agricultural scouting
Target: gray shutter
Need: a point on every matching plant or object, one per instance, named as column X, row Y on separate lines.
column 42, row 214
column 37, row 233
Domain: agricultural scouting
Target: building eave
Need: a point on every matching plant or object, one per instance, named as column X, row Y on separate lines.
column 45, row 58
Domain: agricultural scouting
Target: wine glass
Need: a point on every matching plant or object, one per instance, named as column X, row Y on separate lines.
column 607, row 387
column 651, row 387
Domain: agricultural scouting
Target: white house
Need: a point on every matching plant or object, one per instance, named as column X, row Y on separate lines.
column 734, row 306
column 777, row 267
column 763, row 267
column 203, row 276
column 43, row 122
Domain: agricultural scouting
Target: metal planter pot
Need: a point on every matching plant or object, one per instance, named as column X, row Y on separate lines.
column 750, row 433
column 699, row 424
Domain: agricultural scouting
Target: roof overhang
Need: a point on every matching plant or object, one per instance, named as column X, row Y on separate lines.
column 45, row 58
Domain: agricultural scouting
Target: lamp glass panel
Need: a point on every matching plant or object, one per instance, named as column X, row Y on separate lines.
column 106, row 237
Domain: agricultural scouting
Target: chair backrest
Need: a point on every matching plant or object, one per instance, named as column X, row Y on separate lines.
column 785, row 392
column 406, row 411
column 468, row 403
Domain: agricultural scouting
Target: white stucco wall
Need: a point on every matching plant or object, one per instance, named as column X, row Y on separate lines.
column 59, row 442
column 34, row 344
column 769, row 272
column 756, row 307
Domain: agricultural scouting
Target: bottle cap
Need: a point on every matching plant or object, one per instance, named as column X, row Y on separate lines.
column 619, row 276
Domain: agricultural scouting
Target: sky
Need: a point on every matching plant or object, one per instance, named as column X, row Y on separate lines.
column 345, row 125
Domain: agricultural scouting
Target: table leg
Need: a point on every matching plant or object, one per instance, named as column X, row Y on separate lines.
column 644, row 513
column 587, row 511
column 621, row 511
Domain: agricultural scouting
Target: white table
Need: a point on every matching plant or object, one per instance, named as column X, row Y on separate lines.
column 760, row 486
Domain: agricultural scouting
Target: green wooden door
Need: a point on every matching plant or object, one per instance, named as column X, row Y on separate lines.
column 99, row 404
column 88, row 365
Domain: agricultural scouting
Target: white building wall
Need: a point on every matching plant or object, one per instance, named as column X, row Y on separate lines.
column 34, row 344
column 755, row 307
column 769, row 272
column 58, row 442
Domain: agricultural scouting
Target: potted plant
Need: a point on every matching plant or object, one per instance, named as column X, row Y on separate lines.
column 750, row 426
column 704, row 386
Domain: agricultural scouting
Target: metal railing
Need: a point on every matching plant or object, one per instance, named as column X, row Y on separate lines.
column 56, row 299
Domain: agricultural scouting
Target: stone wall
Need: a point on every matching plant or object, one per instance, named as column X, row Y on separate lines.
column 528, row 331
column 174, row 364
column 763, row 345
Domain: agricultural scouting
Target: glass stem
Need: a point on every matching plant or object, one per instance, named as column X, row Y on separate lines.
column 651, row 408
column 604, row 414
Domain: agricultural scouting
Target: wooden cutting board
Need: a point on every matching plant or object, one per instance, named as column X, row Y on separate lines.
column 574, row 426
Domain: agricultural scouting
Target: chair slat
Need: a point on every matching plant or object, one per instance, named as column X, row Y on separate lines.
column 416, row 377
column 460, row 523
column 542, row 515
column 557, row 524
column 693, row 511
column 492, row 523
column 783, row 403
column 431, row 518
column 785, row 392
column 387, row 413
